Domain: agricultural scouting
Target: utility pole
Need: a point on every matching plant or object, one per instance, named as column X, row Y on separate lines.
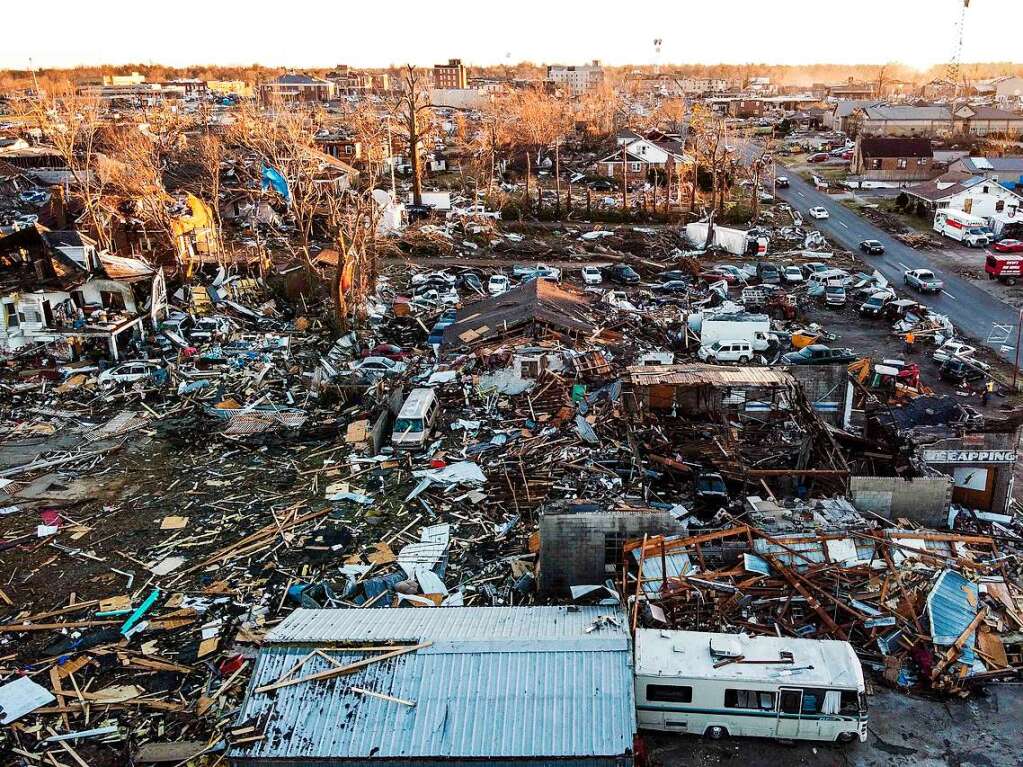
column 557, row 176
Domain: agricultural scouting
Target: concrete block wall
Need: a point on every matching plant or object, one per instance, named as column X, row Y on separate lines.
column 924, row 500
column 573, row 544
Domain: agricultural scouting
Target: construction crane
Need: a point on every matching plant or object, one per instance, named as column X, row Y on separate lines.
column 953, row 69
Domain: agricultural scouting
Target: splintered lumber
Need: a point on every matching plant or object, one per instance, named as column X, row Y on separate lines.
column 953, row 652
column 340, row 670
column 795, row 583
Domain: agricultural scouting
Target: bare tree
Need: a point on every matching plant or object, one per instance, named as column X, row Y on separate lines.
column 414, row 115
column 72, row 125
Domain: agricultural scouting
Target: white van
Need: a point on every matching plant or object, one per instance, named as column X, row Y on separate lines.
column 727, row 351
column 721, row 685
column 817, row 281
column 416, row 419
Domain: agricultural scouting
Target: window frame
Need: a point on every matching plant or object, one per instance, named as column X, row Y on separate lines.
column 652, row 691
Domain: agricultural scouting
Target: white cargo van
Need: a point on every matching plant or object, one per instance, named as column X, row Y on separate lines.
column 735, row 685
column 416, row 419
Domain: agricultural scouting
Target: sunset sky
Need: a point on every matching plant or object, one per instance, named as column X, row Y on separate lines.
column 303, row 33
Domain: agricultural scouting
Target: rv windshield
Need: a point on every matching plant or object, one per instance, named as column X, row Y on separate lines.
column 853, row 703
column 408, row 425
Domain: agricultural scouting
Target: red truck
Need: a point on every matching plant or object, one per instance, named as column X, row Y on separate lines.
column 1004, row 268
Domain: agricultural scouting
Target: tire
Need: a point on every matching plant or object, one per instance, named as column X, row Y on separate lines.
column 715, row 733
column 744, row 360
column 1010, row 282
column 845, row 738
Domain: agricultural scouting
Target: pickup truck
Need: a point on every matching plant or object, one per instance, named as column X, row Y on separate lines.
column 923, row 280
column 818, row 354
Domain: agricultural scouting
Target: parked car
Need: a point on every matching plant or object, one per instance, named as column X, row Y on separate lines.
column 815, row 266
column 874, row 306
column 923, row 280
column 768, row 273
column 673, row 288
column 540, row 271
column 834, row 295
column 498, row 284
column 819, row 157
column 390, row 351
column 872, row 247
column 818, row 354
column 730, row 274
column 673, row 274
column 435, row 279
column 374, row 368
column 955, row 349
column 602, row 185
column 711, row 490
column 818, row 212
column 437, row 331
column 1008, row 246
column 623, row 274
column 592, row 275
column 210, row 328
column 959, row 370
column 781, row 182
column 727, row 351
column 792, row 274
column 127, row 373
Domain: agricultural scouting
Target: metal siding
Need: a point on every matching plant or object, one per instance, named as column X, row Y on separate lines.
column 951, row 607
column 513, row 698
column 460, row 623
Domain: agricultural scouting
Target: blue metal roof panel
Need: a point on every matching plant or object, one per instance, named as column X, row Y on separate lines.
column 461, row 623
column 951, row 607
column 542, row 703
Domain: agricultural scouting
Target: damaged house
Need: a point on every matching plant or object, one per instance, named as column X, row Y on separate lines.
column 58, row 289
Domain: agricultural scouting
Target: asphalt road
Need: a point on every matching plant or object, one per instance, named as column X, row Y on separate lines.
column 973, row 311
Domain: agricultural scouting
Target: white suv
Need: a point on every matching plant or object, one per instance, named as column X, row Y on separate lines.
column 727, row 351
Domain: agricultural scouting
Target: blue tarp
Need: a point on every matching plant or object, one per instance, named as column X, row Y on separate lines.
column 272, row 179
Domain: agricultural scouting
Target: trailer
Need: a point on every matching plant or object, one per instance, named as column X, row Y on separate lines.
column 1007, row 269
column 963, row 227
column 719, row 685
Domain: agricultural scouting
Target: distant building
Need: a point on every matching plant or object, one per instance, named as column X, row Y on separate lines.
column 893, row 159
column 450, row 76
column 294, row 87
column 852, row 90
column 230, row 88
column 120, row 81
column 576, row 79
column 988, row 121
column 975, row 195
column 887, row 120
column 1008, row 87
column 1007, row 171
column 746, row 108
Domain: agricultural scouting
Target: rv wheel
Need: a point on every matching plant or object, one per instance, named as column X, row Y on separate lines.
column 846, row 737
column 716, row 733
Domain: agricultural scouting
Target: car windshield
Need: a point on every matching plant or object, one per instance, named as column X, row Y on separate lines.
column 875, row 301
column 408, row 425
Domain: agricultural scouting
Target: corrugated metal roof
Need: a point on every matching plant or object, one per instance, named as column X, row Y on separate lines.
column 951, row 607
column 497, row 682
column 464, row 623
column 677, row 563
column 703, row 375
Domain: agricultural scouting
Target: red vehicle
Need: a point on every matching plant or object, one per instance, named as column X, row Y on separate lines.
column 1008, row 246
column 1007, row 269
column 819, row 157
column 717, row 274
column 390, row 351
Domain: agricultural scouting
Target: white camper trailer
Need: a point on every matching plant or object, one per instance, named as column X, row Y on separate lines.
column 732, row 684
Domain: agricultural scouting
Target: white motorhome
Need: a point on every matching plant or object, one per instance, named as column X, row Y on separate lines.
column 732, row 684
column 964, row 227
column 416, row 419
